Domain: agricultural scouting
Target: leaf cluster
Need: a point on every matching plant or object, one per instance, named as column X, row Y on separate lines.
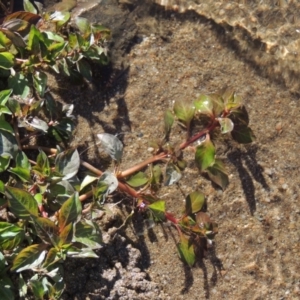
column 42, row 190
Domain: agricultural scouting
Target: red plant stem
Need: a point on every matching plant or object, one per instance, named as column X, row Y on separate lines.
column 91, row 168
column 198, row 135
column 163, row 155
column 143, row 164
column 171, row 218
column 86, row 196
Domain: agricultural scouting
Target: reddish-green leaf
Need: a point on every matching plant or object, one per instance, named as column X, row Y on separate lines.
column 67, row 163
column 194, row 202
column 21, row 203
column 205, row 154
column 51, row 257
column 66, row 235
column 88, row 233
column 42, row 164
column 186, row 250
column 10, row 236
column 231, row 100
column 243, row 134
column 218, row 175
column 46, row 229
column 204, row 105
column 29, row 258
column 70, row 212
column 184, row 112
column 22, row 15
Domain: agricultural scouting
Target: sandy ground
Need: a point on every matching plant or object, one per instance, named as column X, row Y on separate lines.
column 160, row 57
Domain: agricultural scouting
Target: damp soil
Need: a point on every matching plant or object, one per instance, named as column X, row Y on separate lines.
column 160, row 56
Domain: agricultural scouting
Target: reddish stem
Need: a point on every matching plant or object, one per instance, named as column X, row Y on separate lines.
column 198, row 135
column 143, row 164
column 171, row 218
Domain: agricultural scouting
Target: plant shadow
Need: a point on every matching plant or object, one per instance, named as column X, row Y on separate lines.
column 248, row 170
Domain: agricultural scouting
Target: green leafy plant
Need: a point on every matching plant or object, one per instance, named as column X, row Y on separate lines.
column 41, row 190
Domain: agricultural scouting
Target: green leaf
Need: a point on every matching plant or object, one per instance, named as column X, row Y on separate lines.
column 231, row 100
column 111, row 145
column 4, row 162
column 81, row 252
column 243, row 134
column 218, row 175
column 226, row 125
column 156, row 174
column 84, row 68
column 14, row 106
column 4, row 41
column 38, row 124
column 5, row 126
column 14, row 37
column 40, row 82
column 60, row 18
column 186, row 251
column 21, row 203
column 70, row 212
column 29, row 258
column 46, row 230
column 2, row 187
column 73, row 42
column 137, row 180
column 194, row 202
column 184, row 112
column 205, row 154
column 168, row 121
column 42, row 164
column 88, row 179
column 6, row 288
column 67, row 163
column 6, row 60
column 106, row 185
column 22, row 173
column 10, row 236
column 28, row 6
column 19, row 84
column 88, row 233
column 53, row 37
column 63, row 130
column 204, row 105
column 4, row 95
column 83, row 25
column 34, row 39
column 158, row 205
column 38, row 289
column 158, row 209
column 22, row 160
column 218, row 104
